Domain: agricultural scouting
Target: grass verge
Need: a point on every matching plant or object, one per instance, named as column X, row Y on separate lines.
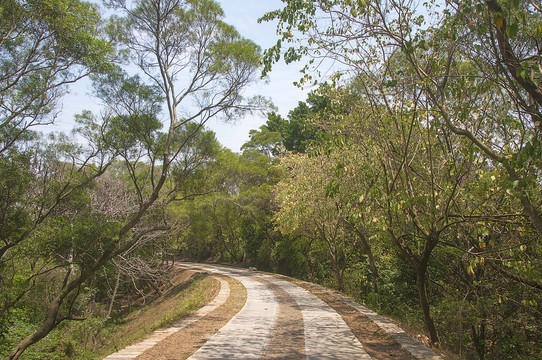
column 163, row 312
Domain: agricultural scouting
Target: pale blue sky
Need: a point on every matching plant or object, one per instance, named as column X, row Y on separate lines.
column 243, row 14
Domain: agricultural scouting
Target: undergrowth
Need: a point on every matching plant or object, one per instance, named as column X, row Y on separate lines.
column 95, row 338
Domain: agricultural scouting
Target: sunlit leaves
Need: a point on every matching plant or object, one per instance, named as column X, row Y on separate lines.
column 45, row 45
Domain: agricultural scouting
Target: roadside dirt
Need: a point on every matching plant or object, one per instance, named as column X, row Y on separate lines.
column 185, row 342
column 173, row 303
column 378, row 344
column 287, row 336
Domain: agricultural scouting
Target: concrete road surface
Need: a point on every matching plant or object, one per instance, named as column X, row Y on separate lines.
column 279, row 320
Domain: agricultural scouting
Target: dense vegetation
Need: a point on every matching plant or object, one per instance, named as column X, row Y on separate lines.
column 410, row 179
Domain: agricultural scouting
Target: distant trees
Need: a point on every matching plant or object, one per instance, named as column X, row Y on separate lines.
column 295, row 134
column 233, row 221
column 318, row 201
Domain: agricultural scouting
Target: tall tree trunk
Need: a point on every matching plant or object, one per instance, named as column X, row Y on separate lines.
column 369, row 252
column 308, row 257
column 113, row 296
column 360, row 231
column 337, row 272
column 479, row 339
column 424, row 303
column 374, row 271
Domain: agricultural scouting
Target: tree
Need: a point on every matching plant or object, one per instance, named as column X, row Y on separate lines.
column 232, row 221
column 177, row 45
column 51, row 194
column 295, row 134
column 315, row 205
column 264, row 141
column 45, row 46
column 483, row 45
column 472, row 66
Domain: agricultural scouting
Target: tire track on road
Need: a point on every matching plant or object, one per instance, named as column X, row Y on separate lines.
column 326, row 334
column 247, row 333
column 288, row 334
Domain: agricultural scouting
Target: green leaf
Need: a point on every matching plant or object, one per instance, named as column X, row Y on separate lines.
column 498, row 20
column 512, row 29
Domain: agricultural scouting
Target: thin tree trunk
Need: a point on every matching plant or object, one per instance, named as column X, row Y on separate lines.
column 369, row 252
column 374, row 271
column 424, row 303
column 479, row 339
column 113, row 296
column 311, row 267
column 337, row 272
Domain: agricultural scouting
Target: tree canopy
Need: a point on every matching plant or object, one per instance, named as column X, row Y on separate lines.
column 141, row 153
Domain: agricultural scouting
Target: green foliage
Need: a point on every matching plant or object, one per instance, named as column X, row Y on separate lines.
column 69, row 209
column 60, row 344
column 265, row 141
column 14, row 182
column 232, row 222
column 300, row 130
column 45, row 46
column 289, row 256
column 445, row 103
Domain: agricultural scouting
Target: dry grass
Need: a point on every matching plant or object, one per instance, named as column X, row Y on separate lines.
column 189, row 292
column 186, row 341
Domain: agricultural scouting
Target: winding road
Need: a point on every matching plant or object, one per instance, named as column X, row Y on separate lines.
column 280, row 320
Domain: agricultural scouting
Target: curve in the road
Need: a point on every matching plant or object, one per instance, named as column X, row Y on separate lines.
column 279, row 320
column 326, row 334
column 246, row 334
